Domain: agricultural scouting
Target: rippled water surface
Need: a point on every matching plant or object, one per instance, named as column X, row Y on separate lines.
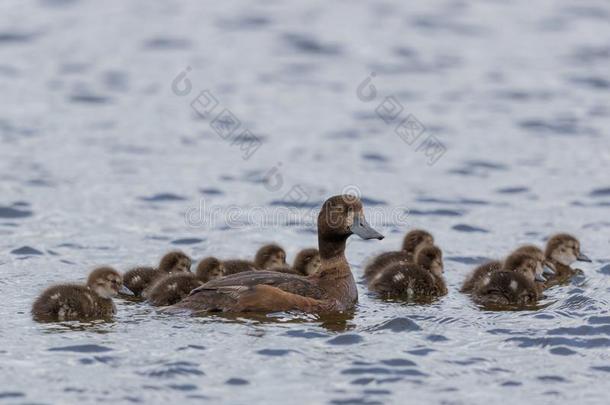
column 104, row 160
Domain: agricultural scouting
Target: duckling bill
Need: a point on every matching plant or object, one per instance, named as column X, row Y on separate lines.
column 331, row 289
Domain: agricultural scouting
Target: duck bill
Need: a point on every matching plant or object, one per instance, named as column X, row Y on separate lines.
column 126, row 291
column 361, row 228
column 547, row 269
column 539, row 278
column 583, row 258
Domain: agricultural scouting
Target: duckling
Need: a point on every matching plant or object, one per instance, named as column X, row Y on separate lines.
column 562, row 250
column 331, row 290
column 543, row 266
column 480, row 275
column 171, row 289
column 140, row 278
column 411, row 242
column 421, row 279
column 514, row 284
column 266, row 257
column 68, row 302
column 306, row 263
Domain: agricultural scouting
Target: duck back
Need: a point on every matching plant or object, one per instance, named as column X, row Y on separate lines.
column 238, row 266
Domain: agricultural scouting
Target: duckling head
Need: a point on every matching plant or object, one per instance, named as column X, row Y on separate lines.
column 270, row 256
column 307, row 262
column 543, row 266
column 174, row 262
column 565, row 249
column 416, row 238
column 526, row 265
column 430, row 257
column 105, row 282
column 210, row 268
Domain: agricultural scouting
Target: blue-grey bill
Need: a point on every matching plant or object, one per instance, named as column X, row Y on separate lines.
column 583, row 258
column 539, row 278
column 361, row 228
column 126, row 291
column 546, row 269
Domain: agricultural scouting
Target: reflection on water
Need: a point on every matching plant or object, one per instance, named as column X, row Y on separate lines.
column 100, row 163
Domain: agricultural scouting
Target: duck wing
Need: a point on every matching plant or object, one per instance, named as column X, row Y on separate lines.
column 291, row 283
column 253, row 291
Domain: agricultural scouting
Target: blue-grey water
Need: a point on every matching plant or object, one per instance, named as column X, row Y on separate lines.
column 122, row 137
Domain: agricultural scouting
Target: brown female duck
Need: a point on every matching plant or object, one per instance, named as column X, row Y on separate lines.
column 68, row 302
column 173, row 288
column 140, row 278
column 332, row 289
column 411, row 242
column 562, row 250
column 420, row 279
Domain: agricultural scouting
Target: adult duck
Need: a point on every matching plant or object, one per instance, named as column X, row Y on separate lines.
column 331, row 289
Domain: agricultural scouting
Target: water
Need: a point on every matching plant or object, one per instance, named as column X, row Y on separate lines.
column 101, row 162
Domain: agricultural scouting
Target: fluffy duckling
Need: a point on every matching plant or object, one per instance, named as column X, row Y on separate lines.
column 514, row 284
column 172, row 288
column 411, row 242
column 266, row 257
column 140, row 278
column 562, row 250
column 307, row 262
column 421, row 279
column 480, row 275
column 68, row 302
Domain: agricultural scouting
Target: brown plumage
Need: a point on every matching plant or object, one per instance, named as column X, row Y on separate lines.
column 480, row 273
column 412, row 240
column 420, row 279
column 332, row 289
column 307, row 262
column 173, row 288
column 562, row 250
column 515, row 284
column 270, row 256
column 141, row 278
column 68, row 302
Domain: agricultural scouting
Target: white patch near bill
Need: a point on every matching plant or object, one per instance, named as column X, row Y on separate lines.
column 513, row 285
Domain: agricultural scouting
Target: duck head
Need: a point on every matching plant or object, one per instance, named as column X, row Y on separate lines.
column 415, row 238
column 430, row 257
column 105, row 282
column 340, row 217
column 270, row 256
column 307, row 262
column 565, row 249
column 526, row 265
column 174, row 262
column 209, row 269
column 543, row 266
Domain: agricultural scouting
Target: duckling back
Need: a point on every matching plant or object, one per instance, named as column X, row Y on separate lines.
column 139, row 278
column 173, row 288
column 378, row 263
column 480, row 275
